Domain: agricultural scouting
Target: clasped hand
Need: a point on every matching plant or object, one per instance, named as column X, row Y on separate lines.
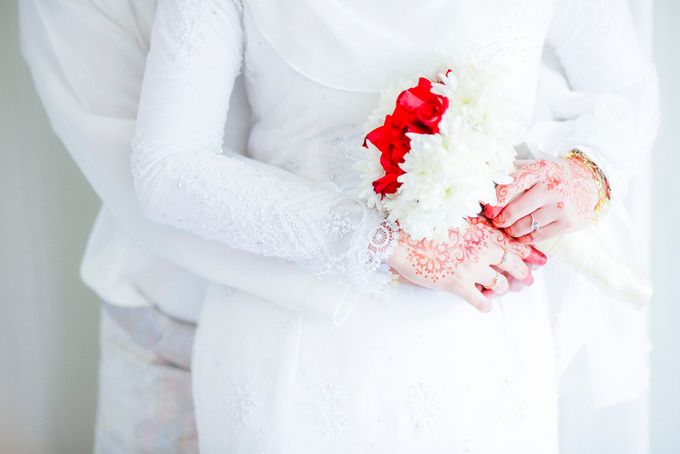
column 475, row 263
column 493, row 254
column 545, row 200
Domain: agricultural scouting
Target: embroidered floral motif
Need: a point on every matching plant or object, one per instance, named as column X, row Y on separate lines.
column 510, row 404
column 331, row 406
column 185, row 32
column 422, row 408
column 240, row 403
column 338, row 224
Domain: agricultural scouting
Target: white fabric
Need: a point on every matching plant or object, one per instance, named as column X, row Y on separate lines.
column 614, row 334
column 183, row 179
column 338, row 56
column 588, row 428
column 154, row 330
column 603, row 345
column 399, row 374
column 585, row 315
column 144, row 398
column 71, row 49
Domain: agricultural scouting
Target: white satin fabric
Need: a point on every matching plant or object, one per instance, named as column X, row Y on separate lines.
column 399, row 374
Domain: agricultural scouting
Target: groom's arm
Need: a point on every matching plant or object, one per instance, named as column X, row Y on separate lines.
column 88, row 71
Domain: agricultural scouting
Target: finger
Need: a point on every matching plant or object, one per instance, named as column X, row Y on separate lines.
column 513, row 265
column 510, row 244
column 525, row 178
column 491, row 211
column 515, row 284
column 524, row 204
column 476, row 298
column 544, row 233
column 490, row 294
column 526, row 252
column 486, row 292
column 523, row 226
column 536, row 257
column 493, row 280
column 522, row 250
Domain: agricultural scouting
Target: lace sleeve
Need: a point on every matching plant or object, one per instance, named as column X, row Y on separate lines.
column 185, row 179
column 609, row 109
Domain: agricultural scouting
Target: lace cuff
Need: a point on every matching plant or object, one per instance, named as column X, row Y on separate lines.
column 359, row 240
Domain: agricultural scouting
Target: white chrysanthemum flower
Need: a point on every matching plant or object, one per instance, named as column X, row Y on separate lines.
column 444, row 183
column 447, row 175
column 369, row 170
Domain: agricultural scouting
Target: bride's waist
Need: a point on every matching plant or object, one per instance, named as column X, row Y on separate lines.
column 400, row 305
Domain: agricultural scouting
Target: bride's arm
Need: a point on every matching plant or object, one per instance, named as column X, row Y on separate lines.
column 93, row 113
column 184, row 178
column 609, row 112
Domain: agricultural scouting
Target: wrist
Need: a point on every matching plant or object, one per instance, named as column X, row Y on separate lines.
column 601, row 185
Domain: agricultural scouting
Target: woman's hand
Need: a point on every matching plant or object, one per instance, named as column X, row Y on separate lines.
column 547, row 199
column 472, row 264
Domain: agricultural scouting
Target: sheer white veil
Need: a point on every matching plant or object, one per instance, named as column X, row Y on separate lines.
column 364, row 46
column 334, row 42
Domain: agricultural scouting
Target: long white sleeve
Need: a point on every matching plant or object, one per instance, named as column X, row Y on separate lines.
column 610, row 108
column 87, row 66
column 183, row 177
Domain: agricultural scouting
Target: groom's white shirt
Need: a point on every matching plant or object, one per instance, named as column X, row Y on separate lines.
column 87, row 59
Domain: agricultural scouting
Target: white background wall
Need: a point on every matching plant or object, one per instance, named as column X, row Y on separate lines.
column 48, row 319
column 665, row 310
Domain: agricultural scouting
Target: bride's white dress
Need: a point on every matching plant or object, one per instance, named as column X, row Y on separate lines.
column 408, row 371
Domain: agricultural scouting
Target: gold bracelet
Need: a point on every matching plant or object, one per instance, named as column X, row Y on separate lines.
column 603, row 189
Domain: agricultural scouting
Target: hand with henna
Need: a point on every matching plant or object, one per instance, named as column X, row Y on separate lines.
column 473, row 263
column 559, row 196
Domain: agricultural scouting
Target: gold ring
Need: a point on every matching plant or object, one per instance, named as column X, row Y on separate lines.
column 495, row 281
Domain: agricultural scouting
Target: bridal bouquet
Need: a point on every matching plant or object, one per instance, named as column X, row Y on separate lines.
column 436, row 150
column 441, row 150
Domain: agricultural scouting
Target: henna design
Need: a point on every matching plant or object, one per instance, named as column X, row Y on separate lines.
column 527, row 177
column 431, row 260
column 584, row 193
column 435, row 261
column 570, row 178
